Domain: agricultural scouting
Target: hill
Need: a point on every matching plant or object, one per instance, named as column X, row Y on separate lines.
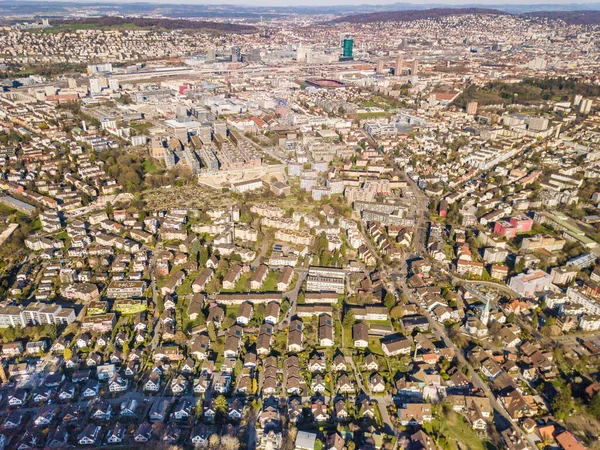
column 139, row 22
column 570, row 17
column 410, row 15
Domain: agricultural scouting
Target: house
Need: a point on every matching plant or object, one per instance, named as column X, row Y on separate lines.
column 158, row 410
column 200, row 434
column 17, row 397
column 344, row 384
column 339, row 363
column 325, row 330
column 295, row 336
column 143, row 433
column 67, row 391
column 232, row 277
column 13, row 420
column 56, row 439
column 244, row 314
column 272, row 313
column 215, row 316
column 116, row 433
column 172, row 433
column 305, row 440
column 334, row 442
column 360, row 334
column 367, row 409
column 319, row 411
column 236, row 409
column 317, row 363
column 200, row 346
column 396, row 345
column 90, row 389
column 370, row 362
column 317, row 384
column 44, row 416
column 340, row 410
column 89, row 435
column 415, row 413
column 29, row 440
column 182, row 410
column 376, row 383
column 179, row 385
column 118, row 384
column 101, row 410
column 568, row 441
column 259, row 277
column 128, row 408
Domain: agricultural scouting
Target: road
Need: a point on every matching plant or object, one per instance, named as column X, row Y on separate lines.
column 292, row 296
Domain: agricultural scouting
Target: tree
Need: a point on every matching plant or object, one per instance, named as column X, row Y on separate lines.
column 221, row 405
column 126, row 348
column 397, row 312
column 595, row 406
column 390, row 300
column 318, row 444
column 214, row 441
column 203, row 256
column 520, row 266
column 68, row 353
column 109, row 209
column 349, row 319
column 230, row 442
column 563, row 403
column 535, row 320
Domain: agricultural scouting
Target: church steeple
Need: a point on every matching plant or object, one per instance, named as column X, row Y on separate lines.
column 485, row 315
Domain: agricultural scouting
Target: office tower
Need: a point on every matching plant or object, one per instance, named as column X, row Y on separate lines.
column 211, row 55
column 95, row 86
column 347, row 45
column 415, row 67
column 585, row 106
column 236, row 54
column 113, row 84
column 472, row 108
column 399, row 66
column 380, row 67
column 71, row 83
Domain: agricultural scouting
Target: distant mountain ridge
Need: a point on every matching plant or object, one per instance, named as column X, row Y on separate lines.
column 419, row 14
column 569, row 17
column 169, row 24
column 585, row 13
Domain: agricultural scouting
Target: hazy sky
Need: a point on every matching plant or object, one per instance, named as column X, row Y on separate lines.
column 343, row 2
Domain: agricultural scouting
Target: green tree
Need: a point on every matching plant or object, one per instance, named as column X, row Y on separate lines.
column 203, row 258
column 349, row 319
column 390, row 300
column 68, row 353
column 520, row 266
column 221, row 405
column 594, row 406
column 318, row 444
column 535, row 320
column 109, row 209
column 563, row 403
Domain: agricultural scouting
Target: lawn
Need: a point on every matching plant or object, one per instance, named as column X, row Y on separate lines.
column 149, row 166
column 457, row 430
column 270, row 284
column 372, row 115
column 241, row 285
